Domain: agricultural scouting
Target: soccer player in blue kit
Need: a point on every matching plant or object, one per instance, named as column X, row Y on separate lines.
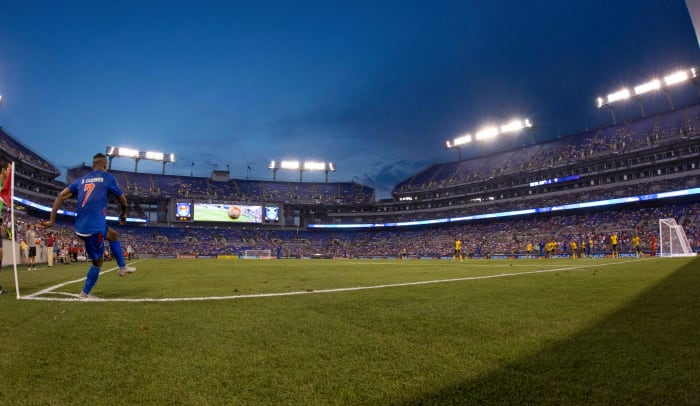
column 92, row 191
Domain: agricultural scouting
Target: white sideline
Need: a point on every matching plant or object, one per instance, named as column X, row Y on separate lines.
column 35, row 296
column 50, row 289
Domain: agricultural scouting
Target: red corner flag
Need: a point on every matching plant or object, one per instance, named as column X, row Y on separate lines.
column 5, row 193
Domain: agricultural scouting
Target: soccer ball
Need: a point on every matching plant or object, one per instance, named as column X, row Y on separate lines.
column 234, row 212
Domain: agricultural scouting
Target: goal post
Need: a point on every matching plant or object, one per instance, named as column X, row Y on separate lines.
column 257, row 254
column 672, row 238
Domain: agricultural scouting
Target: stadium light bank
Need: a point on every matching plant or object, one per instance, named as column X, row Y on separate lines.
column 490, row 132
column 672, row 79
column 136, row 155
column 295, row 165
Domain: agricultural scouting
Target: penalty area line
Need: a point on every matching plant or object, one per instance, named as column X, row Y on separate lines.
column 334, row 290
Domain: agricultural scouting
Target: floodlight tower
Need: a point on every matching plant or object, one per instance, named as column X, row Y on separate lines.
column 112, row 152
column 612, row 112
column 131, row 154
column 448, row 145
column 274, row 167
column 120, row 152
column 292, row 166
column 622, row 94
column 676, row 78
column 641, row 106
column 330, row 167
column 490, row 132
column 518, row 125
column 158, row 156
column 457, row 143
column 669, row 98
column 326, row 167
column 317, row 166
column 639, row 90
column 288, row 165
column 171, row 158
column 653, row 85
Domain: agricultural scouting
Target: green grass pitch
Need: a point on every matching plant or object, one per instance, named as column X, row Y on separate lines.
column 184, row 332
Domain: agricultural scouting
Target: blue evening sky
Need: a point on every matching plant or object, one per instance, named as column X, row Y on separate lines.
column 374, row 86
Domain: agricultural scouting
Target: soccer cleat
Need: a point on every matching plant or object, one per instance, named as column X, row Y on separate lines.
column 88, row 297
column 127, row 269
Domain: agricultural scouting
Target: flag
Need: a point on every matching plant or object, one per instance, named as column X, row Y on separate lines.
column 5, row 193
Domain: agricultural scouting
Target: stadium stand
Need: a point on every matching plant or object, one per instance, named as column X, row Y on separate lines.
column 658, row 153
column 480, row 239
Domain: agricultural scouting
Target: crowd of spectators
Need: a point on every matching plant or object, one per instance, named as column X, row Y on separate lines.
column 479, row 239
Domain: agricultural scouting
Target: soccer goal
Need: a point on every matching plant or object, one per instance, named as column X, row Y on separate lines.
column 257, row 254
column 673, row 241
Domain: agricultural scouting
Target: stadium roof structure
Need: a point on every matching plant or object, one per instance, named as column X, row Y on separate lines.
column 17, row 151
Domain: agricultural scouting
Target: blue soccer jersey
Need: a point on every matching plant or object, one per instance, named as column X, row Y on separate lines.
column 93, row 192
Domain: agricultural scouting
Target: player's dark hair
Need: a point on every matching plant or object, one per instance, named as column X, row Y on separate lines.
column 100, row 159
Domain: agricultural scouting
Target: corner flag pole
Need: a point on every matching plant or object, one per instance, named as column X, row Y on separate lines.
column 12, row 225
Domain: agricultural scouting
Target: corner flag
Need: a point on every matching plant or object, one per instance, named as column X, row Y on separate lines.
column 6, row 191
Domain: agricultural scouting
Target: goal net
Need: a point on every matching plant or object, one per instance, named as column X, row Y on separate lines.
column 257, row 254
column 673, row 241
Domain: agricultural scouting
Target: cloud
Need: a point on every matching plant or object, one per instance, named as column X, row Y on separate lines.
column 384, row 176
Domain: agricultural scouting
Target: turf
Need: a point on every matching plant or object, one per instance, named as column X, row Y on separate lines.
column 594, row 331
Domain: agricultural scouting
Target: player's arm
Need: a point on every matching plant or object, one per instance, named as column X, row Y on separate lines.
column 63, row 196
column 122, row 209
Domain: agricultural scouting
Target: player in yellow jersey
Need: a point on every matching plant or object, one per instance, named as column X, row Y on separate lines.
column 638, row 250
column 553, row 249
column 574, row 248
column 613, row 245
column 528, row 248
column 458, row 250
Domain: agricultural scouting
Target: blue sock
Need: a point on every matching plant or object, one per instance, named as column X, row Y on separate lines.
column 91, row 279
column 117, row 253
